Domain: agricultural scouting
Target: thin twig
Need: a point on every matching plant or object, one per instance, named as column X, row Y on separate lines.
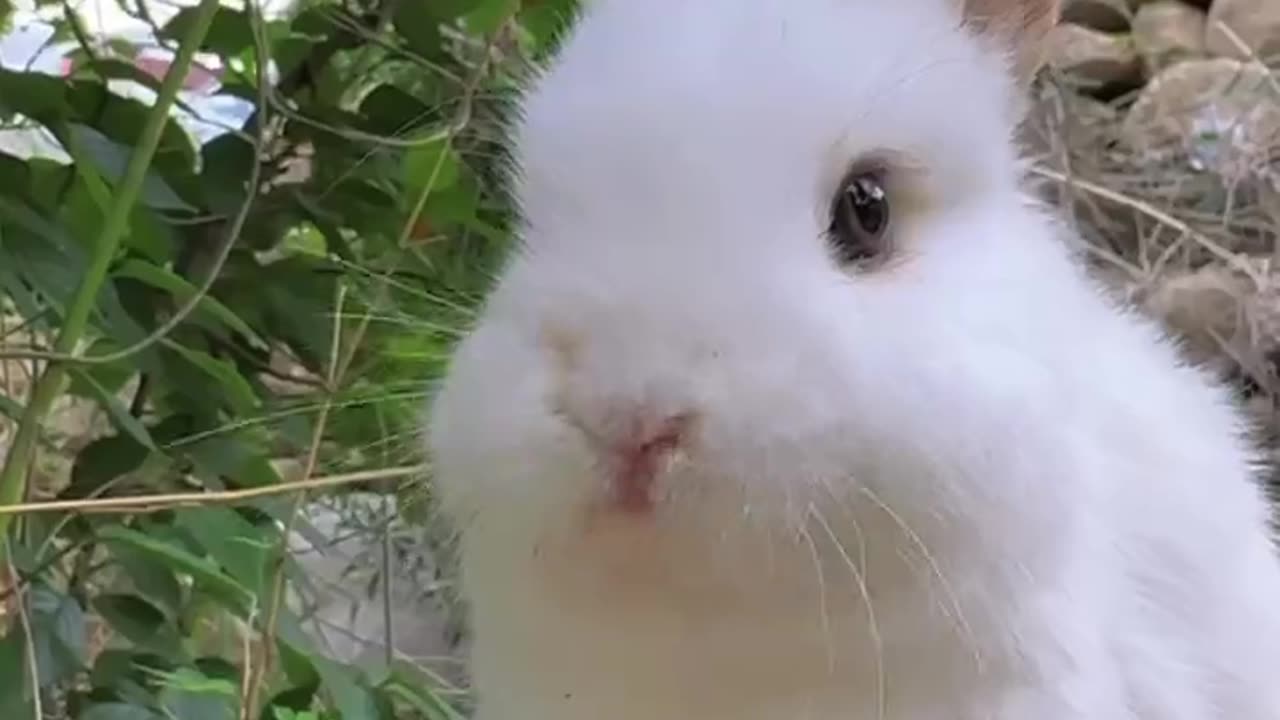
column 167, row 501
column 1155, row 214
column 338, row 368
column 253, row 685
column 1243, row 47
column 37, row 709
column 21, row 582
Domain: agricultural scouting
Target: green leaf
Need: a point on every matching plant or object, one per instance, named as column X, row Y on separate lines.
column 154, row 582
column 229, row 34
column 296, row 699
column 13, row 285
column 431, row 164
column 140, row 622
column 111, row 376
column 389, row 110
column 296, row 294
column 203, row 570
column 243, row 549
column 37, row 95
column 40, row 259
column 225, row 165
column 296, row 649
column 86, row 166
column 83, row 208
column 58, row 629
column 420, row 27
column 92, row 149
column 342, row 683
column 546, row 23
column 10, row 407
column 117, row 711
column 284, row 713
column 109, row 68
column 233, row 455
column 191, row 695
column 18, row 214
column 352, row 699
column 183, row 290
column 102, row 461
column 187, row 705
column 119, row 414
column 15, row 172
column 490, row 14
column 238, row 394
column 121, row 119
column 15, row 679
column 427, row 703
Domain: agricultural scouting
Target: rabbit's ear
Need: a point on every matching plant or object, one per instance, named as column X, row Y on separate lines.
column 1021, row 25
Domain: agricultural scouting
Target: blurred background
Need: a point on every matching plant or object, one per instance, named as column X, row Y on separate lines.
column 259, row 228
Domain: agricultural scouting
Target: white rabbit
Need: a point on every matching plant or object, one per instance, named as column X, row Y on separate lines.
column 792, row 405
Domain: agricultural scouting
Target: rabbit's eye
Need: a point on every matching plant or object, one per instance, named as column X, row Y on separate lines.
column 860, row 219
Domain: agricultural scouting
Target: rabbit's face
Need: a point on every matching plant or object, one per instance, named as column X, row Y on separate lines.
column 775, row 259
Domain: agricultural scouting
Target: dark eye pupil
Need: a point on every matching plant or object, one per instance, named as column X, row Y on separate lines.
column 860, row 219
column 867, row 202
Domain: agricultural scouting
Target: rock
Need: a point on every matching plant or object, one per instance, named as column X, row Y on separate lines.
column 1256, row 22
column 1097, row 58
column 1221, row 115
column 1059, row 123
column 343, row 600
column 1110, row 16
column 1224, row 317
column 1167, row 32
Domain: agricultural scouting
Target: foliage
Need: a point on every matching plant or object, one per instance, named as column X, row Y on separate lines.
column 284, row 291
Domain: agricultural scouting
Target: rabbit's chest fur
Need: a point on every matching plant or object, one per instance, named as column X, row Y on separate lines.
column 1115, row 572
column 1148, row 608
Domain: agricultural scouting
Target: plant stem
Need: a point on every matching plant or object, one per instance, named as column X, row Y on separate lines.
column 52, row 381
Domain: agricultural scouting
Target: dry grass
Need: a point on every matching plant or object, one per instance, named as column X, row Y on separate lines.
column 1190, row 237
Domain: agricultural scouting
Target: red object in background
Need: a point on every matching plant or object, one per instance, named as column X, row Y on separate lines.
column 199, row 78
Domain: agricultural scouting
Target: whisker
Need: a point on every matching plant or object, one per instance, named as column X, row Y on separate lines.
column 846, row 506
column 947, row 587
column 874, row 628
column 824, row 616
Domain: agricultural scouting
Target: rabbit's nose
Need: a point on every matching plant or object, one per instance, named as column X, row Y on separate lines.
column 634, row 459
column 633, row 447
column 634, row 424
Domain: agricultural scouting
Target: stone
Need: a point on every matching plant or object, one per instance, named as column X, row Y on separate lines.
column 1220, row 115
column 1093, row 57
column 344, row 597
column 1222, row 316
column 1166, row 32
column 1256, row 22
column 1110, row 16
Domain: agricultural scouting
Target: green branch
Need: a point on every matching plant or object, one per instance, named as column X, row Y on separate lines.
column 53, row 380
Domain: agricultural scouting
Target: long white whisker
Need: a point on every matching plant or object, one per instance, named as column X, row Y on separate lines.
column 823, row 614
column 873, row 626
column 846, row 507
column 947, row 587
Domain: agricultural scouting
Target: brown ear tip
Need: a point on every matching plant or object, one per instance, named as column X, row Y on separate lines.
column 1023, row 25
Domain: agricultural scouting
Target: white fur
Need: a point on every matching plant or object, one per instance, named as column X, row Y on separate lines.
column 961, row 486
